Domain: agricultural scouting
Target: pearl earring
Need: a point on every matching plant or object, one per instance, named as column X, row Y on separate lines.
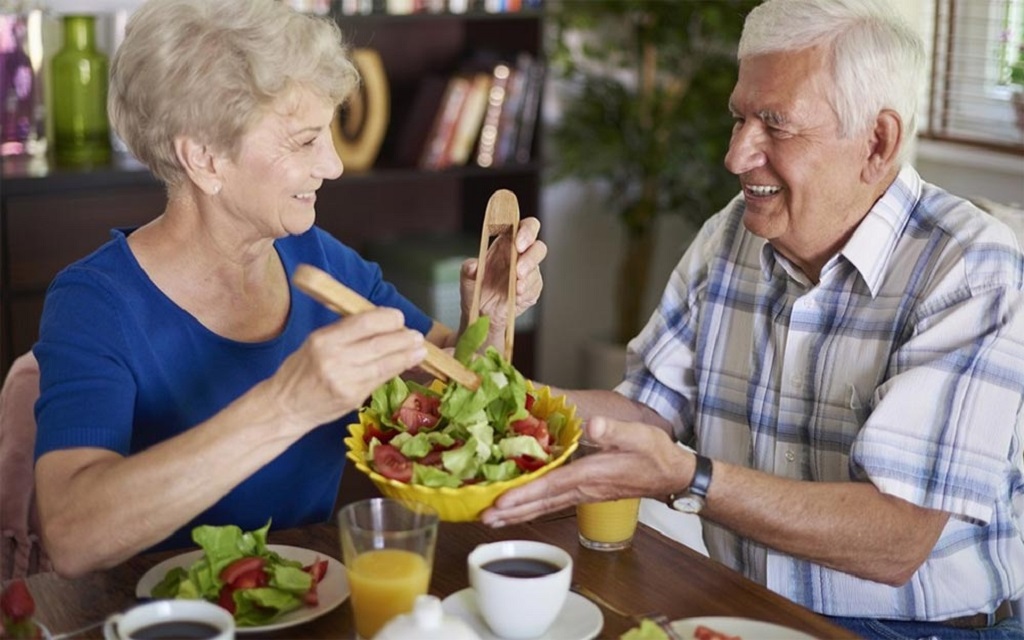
column 216, row 189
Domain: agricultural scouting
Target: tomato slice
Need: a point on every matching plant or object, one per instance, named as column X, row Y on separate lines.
column 251, row 580
column 226, row 600
column 418, row 411
column 390, row 463
column 528, row 463
column 707, row 633
column 16, row 601
column 432, row 459
column 317, row 570
column 533, row 426
column 373, row 431
column 231, row 573
column 529, row 402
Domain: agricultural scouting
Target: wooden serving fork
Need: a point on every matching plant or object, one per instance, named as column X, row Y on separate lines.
column 501, row 216
column 321, row 286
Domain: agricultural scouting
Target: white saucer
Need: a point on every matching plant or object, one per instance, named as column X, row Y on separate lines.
column 580, row 618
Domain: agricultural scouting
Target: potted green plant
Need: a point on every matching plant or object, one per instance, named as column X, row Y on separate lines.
column 646, row 86
column 1016, row 81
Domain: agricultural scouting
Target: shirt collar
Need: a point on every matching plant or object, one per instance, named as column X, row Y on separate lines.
column 873, row 242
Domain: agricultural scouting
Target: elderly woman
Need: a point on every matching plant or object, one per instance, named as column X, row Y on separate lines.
column 183, row 380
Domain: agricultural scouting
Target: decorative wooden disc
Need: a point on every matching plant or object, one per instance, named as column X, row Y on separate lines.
column 361, row 123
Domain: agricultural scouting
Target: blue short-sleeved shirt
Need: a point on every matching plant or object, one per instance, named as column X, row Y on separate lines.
column 124, row 367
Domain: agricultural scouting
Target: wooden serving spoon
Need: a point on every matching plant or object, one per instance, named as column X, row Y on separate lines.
column 321, row 286
column 501, row 217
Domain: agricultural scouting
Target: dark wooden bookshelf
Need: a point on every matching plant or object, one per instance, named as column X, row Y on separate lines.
column 50, row 217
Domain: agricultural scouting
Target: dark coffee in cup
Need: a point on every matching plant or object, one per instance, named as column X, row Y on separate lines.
column 521, row 567
column 176, row 630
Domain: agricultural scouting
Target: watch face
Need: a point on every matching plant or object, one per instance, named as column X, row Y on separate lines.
column 688, row 504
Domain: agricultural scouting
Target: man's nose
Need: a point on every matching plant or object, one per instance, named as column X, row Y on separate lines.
column 745, row 148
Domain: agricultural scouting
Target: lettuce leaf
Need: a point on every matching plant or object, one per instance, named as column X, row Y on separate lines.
column 221, row 546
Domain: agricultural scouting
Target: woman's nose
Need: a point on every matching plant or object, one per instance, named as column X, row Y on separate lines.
column 745, row 148
column 329, row 165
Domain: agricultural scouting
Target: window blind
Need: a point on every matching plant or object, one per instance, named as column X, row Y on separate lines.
column 970, row 99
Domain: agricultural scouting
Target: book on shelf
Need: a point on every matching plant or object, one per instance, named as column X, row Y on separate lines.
column 508, row 122
column 437, row 150
column 529, row 112
column 484, row 114
column 407, row 7
column 415, row 129
column 495, row 101
column 470, row 119
column 518, row 118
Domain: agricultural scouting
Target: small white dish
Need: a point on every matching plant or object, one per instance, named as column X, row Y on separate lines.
column 580, row 619
column 742, row 627
column 332, row 590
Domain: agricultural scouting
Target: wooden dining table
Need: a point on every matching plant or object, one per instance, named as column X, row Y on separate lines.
column 656, row 574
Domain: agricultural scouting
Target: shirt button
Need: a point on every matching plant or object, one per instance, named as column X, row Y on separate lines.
column 790, row 456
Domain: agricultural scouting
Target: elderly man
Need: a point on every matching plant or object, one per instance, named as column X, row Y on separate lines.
column 843, row 345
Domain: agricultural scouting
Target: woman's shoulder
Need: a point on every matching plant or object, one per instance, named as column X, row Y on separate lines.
column 111, row 263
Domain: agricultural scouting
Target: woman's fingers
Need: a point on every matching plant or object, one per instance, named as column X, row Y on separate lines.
column 341, row 364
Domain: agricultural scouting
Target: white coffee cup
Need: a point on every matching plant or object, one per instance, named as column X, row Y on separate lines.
column 523, row 606
column 199, row 615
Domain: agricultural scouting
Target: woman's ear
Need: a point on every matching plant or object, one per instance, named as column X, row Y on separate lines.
column 885, row 141
column 199, row 163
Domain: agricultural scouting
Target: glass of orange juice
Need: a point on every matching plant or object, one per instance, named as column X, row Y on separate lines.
column 605, row 526
column 388, row 549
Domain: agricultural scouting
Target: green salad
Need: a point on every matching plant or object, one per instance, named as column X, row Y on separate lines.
column 238, row 572
column 456, row 436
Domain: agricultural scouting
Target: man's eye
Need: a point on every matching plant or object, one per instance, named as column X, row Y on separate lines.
column 309, row 143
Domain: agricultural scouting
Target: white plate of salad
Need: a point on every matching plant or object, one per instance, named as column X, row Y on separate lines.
column 282, row 596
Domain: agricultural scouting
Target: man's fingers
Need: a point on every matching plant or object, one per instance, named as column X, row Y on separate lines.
column 624, row 436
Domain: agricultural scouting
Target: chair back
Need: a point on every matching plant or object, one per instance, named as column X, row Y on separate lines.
column 21, row 550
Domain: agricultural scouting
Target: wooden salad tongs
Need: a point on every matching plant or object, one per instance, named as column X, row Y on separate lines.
column 321, row 286
column 501, row 217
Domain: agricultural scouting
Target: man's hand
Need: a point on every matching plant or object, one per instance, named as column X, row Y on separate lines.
column 635, row 460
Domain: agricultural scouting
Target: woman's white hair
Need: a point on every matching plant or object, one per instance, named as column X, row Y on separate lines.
column 877, row 60
column 209, row 69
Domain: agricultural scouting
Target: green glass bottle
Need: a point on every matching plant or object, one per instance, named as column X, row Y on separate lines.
column 81, row 130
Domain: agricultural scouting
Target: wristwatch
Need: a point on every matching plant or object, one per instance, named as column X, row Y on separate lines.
column 692, row 501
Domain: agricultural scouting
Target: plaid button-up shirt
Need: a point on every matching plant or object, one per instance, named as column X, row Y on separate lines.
column 903, row 367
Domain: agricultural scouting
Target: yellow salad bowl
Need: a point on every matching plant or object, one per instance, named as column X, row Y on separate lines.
column 466, row 503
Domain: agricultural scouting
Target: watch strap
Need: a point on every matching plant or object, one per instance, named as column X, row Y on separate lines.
column 698, row 489
column 701, row 481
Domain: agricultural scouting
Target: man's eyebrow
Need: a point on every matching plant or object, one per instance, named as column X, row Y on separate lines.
column 773, row 118
column 768, row 116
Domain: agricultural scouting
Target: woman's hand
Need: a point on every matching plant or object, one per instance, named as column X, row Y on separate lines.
column 494, row 291
column 339, row 366
column 635, row 460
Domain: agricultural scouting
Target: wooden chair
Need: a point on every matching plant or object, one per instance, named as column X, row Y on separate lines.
column 21, row 550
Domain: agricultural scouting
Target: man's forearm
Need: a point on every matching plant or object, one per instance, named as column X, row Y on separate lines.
column 848, row 526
